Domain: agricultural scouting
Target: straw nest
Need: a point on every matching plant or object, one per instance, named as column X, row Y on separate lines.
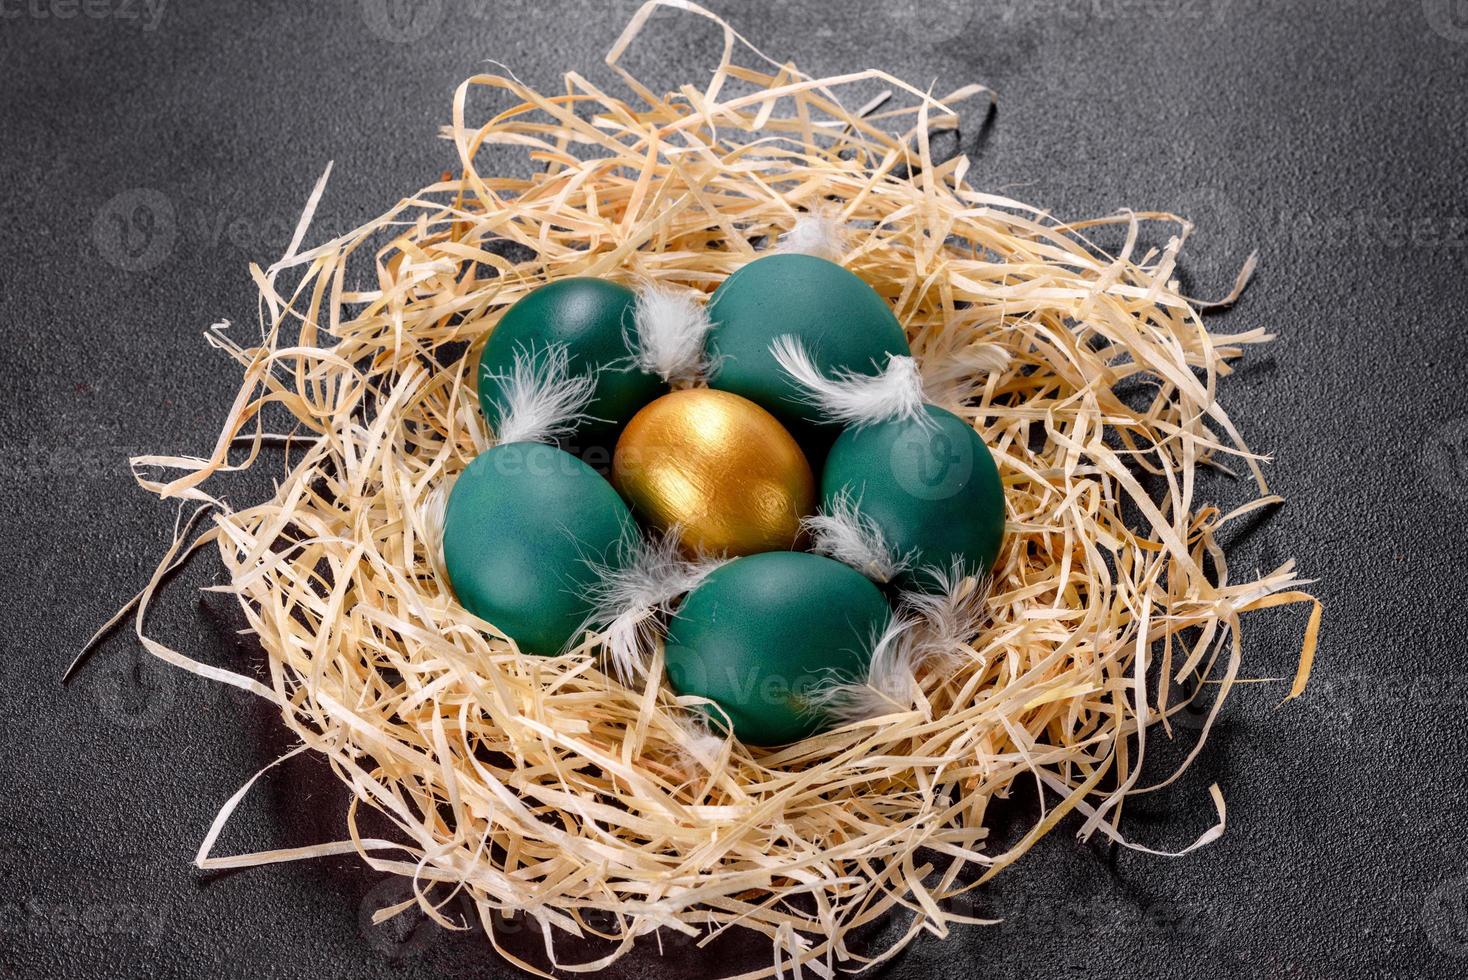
column 542, row 785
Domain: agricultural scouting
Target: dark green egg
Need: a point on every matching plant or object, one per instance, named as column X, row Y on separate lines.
column 593, row 318
column 841, row 320
column 933, row 490
column 761, row 632
column 521, row 523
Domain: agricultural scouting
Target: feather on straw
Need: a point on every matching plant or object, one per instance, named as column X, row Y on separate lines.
column 819, row 233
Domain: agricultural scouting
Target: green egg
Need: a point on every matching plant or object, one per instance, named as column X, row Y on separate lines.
column 593, row 318
column 841, row 320
column 761, row 632
column 934, row 492
column 522, row 524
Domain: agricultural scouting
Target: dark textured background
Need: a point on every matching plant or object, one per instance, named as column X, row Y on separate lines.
column 1330, row 135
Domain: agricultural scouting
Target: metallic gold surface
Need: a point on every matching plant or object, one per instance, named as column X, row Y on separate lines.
column 719, row 467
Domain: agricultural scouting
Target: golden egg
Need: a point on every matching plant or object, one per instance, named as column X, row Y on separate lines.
column 717, row 466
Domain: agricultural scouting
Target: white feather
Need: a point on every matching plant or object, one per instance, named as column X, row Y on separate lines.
column 949, row 619
column 851, row 398
column 890, row 685
column 841, row 531
column 928, row 629
column 541, row 400
column 431, row 517
column 819, row 233
column 629, row 600
column 698, row 743
column 953, row 378
column 671, row 329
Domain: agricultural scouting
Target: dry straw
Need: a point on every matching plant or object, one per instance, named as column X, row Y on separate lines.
column 542, row 785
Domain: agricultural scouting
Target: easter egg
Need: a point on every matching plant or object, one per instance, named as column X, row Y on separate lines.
column 933, row 490
column 760, row 633
column 717, row 466
column 840, row 320
column 593, row 320
column 523, row 524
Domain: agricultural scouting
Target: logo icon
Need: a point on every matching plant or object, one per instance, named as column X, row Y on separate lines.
column 403, row 936
column 1445, row 917
column 931, row 464
column 1445, row 459
column 403, row 21
column 136, row 696
column 136, row 230
column 1447, row 18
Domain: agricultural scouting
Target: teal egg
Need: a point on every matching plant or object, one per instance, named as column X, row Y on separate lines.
column 761, row 632
column 841, row 320
column 522, row 525
column 593, row 319
column 934, row 492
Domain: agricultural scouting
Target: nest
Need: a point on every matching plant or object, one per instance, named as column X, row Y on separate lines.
column 542, row 786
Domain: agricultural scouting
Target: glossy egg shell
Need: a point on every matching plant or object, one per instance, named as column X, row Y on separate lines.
column 522, row 521
column 594, row 319
column 934, row 491
column 761, row 632
column 841, row 320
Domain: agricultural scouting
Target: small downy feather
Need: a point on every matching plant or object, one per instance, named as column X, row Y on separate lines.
column 890, row 685
column 819, row 233
column 849, row 397
column 672, row 326
column 947, row 620
column 542, row 400
column 628, row 602
column 699, row 746
column 431, row 518
column 840, row 531
column 953, row 377
column 928, row 629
